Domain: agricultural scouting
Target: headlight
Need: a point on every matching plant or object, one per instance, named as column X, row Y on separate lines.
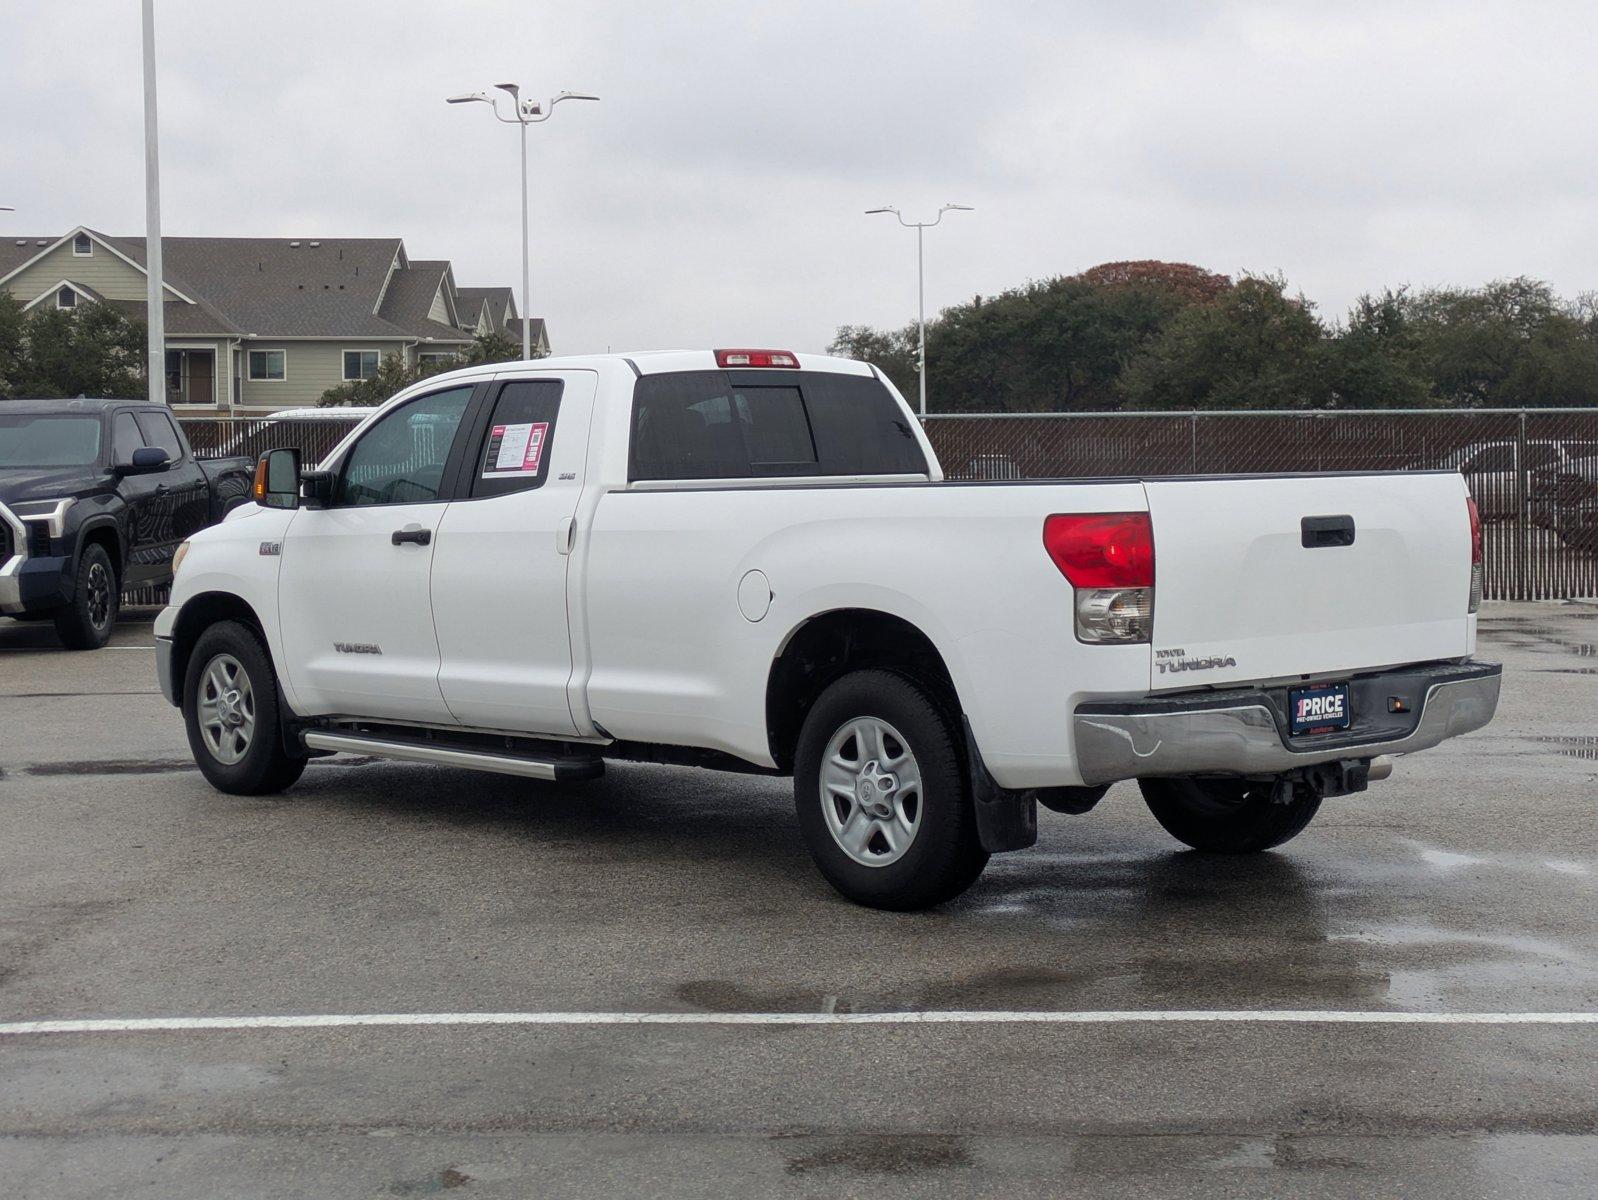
column 53, row 512
column 177, row 559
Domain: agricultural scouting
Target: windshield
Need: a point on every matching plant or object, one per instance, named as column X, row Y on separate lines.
column 49, row 441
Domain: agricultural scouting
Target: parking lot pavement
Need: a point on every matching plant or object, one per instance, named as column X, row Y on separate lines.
column 1465, row 884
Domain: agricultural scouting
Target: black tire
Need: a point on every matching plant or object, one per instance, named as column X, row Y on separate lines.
column 263, row 766
column 1227, row 816
column 943, row 855
column 86, row 623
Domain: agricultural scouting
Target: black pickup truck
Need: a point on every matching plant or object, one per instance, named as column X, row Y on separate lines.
column 95, row 497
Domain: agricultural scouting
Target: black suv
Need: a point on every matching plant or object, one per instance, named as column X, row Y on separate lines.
column 95, row 496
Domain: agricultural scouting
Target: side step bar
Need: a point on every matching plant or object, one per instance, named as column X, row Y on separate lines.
column 526, row 766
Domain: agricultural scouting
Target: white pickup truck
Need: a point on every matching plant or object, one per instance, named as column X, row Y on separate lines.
column 749, row 559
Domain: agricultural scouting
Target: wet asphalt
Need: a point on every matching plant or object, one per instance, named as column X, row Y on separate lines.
column 1466, row 883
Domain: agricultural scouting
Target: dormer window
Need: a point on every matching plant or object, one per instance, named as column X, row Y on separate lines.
column 82, row 247
column 66, row 298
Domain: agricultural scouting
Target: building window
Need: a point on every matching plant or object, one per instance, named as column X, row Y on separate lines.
column 360, row 364
column 435, row 358
column 267, row 365
column 82, row 246
column 66, row 298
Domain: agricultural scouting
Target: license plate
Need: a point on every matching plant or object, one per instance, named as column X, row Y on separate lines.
column 1319, row 709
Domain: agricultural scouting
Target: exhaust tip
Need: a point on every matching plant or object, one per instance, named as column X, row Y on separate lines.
column 1381, row 767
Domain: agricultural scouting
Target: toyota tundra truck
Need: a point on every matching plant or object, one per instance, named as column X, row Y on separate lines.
column 750, row 560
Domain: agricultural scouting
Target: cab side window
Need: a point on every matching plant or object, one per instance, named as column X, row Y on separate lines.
column 158, row 431
column 402, row 458
column 516, row 443
column 125, row 438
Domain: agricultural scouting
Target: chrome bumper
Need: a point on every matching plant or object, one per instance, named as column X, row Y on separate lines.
column 1245, row 733
column 11, row 568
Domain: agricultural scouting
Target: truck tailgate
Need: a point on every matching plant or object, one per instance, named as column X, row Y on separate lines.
column 1239, row 596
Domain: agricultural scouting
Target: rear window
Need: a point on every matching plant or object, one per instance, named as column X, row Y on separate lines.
column 745, row 425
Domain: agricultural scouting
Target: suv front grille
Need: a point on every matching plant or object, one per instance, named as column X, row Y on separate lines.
column 38, row 538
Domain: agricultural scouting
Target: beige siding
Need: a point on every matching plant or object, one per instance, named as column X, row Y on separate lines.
column 103, row 271
column 310, row 368
column 440, row 310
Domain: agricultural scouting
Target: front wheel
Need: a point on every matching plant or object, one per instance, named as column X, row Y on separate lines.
column 230, row 710
column 882, row 797
column 1228, row 816
column 86, row 622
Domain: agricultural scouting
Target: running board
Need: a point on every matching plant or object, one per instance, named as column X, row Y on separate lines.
column 527, row 767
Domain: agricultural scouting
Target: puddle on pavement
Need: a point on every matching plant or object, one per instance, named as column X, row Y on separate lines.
column 876, row 1154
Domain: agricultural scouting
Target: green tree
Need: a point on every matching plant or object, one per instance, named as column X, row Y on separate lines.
column 1253, row 347
column 90, row 350
column 1055, row 345
column 393, row 375
column 12, row 344
column 1509, row 343
column 1377, row 360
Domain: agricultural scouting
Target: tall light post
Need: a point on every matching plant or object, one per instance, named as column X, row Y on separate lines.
column 921, row 287
column 523, row 113
column 155, row 318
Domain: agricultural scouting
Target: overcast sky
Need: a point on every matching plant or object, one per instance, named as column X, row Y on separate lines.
column 715, row 195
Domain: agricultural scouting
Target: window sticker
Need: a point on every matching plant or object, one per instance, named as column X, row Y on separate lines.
column 515, row 449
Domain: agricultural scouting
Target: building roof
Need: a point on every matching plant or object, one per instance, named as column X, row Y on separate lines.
column 501, row 301
column 16, row 250
column 536, row 331
column 410, row 297
column 294, row 287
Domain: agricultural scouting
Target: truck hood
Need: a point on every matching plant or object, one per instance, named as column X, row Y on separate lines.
column 48, row 483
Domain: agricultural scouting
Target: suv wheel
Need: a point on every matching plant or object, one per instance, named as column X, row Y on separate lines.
column 882, row 797
column 86, row 623
column 1227, row 816
column 231, row 712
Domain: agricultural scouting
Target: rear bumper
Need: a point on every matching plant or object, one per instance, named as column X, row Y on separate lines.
column 1245, row 732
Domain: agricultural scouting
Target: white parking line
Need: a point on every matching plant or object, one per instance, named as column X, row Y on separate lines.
column 948, row 1017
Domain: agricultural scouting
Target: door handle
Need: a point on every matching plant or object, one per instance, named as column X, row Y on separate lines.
column 412, row 534
column 1316, row 532
column 563, row 535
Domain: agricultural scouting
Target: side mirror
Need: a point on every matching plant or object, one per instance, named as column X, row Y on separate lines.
column 277, row 479
column 316, row 488
column 146, row 460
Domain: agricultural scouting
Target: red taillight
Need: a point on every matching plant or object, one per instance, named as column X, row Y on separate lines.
column 1476, row 556
column 756, row 358
column 1102, row 550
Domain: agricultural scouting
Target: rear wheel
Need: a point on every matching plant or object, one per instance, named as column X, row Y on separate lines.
column 882, row 797
column 231, row 712
column 1228, row 816
column 86, row 623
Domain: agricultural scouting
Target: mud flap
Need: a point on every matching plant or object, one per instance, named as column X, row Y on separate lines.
column 1006, row 820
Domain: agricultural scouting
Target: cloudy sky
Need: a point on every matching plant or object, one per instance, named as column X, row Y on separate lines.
column 715, row 195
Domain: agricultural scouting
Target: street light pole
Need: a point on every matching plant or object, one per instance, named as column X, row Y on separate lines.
column 155, row 318
column 523, row 113
column 921, row 287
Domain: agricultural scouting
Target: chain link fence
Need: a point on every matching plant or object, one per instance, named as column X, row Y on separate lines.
column 1534, row 472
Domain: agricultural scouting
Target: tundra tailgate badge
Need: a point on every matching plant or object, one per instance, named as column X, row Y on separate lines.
column 1174, row 660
